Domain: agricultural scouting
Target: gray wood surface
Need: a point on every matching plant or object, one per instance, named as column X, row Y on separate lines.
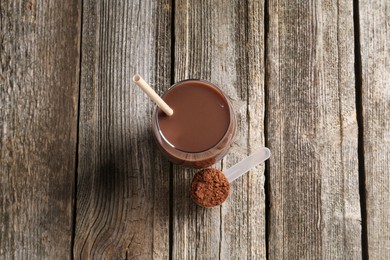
column 375, row 61
column 222, row 42
column 122, row 194
column 39, row 59
column 83, row 178
column 312, row 131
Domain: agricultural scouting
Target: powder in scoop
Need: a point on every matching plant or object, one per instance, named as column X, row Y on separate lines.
column 209, row 187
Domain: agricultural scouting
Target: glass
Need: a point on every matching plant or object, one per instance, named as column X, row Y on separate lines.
column 203, row 158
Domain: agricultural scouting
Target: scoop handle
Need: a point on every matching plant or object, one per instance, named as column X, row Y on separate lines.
column 248, row 163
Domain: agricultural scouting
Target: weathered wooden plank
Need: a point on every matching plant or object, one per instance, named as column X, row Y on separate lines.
column 39, row 60
column 312, row 131
column 222, row 42
column 122, row 192
column 375, row 64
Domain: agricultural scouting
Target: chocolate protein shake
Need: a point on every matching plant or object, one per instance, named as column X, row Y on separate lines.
column 201, row 129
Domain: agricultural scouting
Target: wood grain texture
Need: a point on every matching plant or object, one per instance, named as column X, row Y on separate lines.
column 39, row 60
column 122, row 190
column 312, row 131
column 375, row 58
column 223, row 42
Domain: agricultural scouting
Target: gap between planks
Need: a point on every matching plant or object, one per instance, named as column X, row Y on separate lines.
column 359, row 117
column 76, row 164
column 171, row 218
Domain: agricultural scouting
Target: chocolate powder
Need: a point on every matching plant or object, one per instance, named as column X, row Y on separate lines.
column 209, row 187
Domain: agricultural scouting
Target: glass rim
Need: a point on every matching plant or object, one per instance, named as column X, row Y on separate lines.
column 231, row 114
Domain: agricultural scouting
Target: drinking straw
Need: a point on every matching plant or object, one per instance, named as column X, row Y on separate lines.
column 152, row 94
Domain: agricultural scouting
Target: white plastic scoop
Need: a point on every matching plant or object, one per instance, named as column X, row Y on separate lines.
column 210, row 187
column 246, row 164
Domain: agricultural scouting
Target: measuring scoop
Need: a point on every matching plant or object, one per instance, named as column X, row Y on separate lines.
column 210, row 187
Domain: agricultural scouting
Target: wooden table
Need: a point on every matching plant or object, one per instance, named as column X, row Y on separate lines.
column 81, row 176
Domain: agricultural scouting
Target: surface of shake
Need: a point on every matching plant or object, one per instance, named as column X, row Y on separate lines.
column 201, row 128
